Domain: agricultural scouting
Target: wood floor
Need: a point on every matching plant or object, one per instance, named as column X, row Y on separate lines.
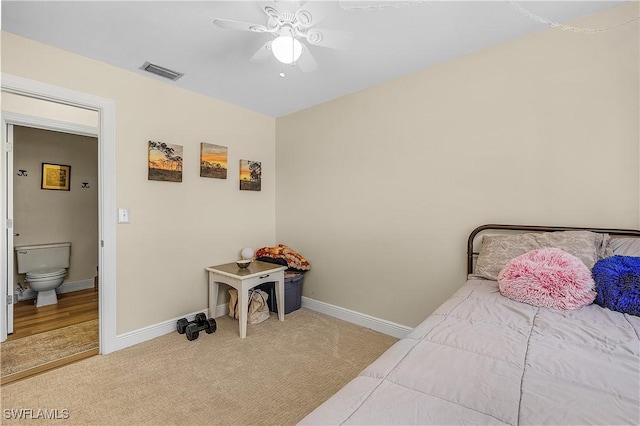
column 72, row 308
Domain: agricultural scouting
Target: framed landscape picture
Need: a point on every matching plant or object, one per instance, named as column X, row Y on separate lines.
column 165, row 161
column 56, row 176
column 213, row 161
column 250, row 175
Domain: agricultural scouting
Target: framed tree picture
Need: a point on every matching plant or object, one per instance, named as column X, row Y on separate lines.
column 165, row 161
column 213, row 161
column 250, row 175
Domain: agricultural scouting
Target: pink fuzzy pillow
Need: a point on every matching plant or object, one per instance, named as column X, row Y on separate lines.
column 547, row 277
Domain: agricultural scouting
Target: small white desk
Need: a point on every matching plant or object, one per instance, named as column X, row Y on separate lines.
column 243, row 279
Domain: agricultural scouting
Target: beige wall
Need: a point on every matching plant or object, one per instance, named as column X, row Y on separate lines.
column 380, row 189
column 47, row 109
column 46, row 216
column 176, row 229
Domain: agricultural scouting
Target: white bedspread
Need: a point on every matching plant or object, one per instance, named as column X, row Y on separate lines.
column 484, row 359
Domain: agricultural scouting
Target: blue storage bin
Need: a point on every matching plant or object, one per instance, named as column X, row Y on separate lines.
column 292, row 292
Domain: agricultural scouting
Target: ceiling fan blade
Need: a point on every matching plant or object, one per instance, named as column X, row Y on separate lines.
column 241, row 26
column 306, row 62
column 333, row 39
column 263, row 53
column 270, row 10
column 312, row 12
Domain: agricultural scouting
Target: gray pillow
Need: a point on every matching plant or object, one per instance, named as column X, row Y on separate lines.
column 622, row 246
column 586, row 245
column 497, row 251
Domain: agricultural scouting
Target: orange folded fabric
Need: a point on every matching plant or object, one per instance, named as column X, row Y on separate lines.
column 294, row 259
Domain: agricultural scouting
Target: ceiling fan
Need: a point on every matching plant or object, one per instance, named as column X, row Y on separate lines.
column 292, row 26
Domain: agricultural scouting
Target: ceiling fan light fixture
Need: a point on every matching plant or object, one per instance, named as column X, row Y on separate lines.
column 286, row 49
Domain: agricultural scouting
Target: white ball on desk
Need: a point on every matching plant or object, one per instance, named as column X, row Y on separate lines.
column 247, row 253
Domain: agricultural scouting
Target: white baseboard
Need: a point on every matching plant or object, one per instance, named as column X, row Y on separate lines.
column 64, row 288
column 383, row 326
column 75, row 286
column 156, row 330
column 150, row 332
column 221, row 310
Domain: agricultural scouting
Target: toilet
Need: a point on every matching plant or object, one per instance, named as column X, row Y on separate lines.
column 45, row 266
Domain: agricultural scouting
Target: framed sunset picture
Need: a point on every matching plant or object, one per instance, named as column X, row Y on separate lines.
column 250, row 175
column 165, row 161
column 213, row 161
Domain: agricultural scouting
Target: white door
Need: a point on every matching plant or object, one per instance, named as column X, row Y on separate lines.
column 8, row 258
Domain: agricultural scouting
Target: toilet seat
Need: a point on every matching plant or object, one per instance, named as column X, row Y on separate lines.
column 46, row 273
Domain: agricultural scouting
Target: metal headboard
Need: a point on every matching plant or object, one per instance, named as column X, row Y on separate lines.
column 495, row 227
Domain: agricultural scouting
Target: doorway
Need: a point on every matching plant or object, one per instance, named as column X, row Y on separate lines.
column 106, row 198
column 46, row 337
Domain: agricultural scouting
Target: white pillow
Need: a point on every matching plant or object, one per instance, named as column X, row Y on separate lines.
column 625, row 246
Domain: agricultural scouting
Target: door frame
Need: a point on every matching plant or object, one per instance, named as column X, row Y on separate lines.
column 7, row 196
column 9, row 121
column 106, row 188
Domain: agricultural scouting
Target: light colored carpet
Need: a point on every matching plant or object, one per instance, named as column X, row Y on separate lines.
column 33, row 351
column 277, row 375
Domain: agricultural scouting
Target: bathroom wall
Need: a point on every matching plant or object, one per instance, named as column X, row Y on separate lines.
column 50, row 216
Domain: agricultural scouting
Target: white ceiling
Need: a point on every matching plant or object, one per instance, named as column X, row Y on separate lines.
column 389, row 41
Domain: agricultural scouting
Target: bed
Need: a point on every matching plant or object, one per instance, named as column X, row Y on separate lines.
column 483, row 358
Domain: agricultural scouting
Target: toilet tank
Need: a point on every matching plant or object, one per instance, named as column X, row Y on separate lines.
column 40, row 256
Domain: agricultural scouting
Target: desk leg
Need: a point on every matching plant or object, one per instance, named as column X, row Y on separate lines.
column 280, row 298
column 243, row 306
column 213, row 295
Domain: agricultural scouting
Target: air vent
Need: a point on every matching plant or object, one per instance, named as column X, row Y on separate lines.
column 161, row 71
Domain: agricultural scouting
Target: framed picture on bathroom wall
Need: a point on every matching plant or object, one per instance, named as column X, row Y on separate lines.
column 56, row 176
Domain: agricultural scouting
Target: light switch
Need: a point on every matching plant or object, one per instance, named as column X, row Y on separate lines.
column 123, row 215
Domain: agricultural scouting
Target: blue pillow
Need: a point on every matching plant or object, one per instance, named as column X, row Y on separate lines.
column 617, row 281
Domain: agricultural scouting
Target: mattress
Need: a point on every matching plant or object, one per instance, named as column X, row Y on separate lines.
column 481, row 358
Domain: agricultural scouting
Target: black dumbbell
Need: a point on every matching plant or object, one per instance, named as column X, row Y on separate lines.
column 183, row 323
column 193, row 330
